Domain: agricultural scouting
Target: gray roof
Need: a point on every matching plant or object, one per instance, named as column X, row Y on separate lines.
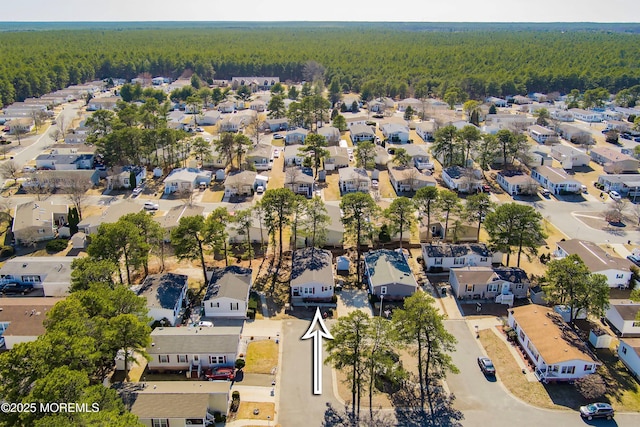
column 312, row 265
column 449, row 250
column 189, row 175
column 394, row 127
column 594, row 257
column 610, row 154
column 195, row 340
column 163, row 290
column 385, row 267
column 172, row 218
column 231, row 282
column 515, row 176
column 357, row 129
column 241, row 178
column 260, row 150
column 328, row 131
column 51, row 269
column 554, row 175
column 36, row 213
column 349, row 173
column 628, row 312
column 474, row 275
column 416, row 150
column 512, row 274
column 65, row 159
column 112, row 214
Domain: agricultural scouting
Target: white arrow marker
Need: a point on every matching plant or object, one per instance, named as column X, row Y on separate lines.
column 317, row 330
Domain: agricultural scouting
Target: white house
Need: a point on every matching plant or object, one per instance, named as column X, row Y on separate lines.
column 209, row 118
column 614, row 161
column 296, row 136
column 51, row 274
column 629, row 354
column 388, row 274
column 617, row 270
column 165, row 294
column 461, row 179
column 260, row 157
column 516, row 182
column 113, row 213
column 541, row 134
column 362, row 132
column 569, row 157
column 193, row 348
column 312, row 276
column 586, row 116
column 293, row 155
column 227, row 294
column 338, row 158
column 555, row 180
column 574, row 133
column 330, row 133
column 419, row 155
column 241, row 183
column 355, row 120
column 625, row 184
column 408, row 179
column 22, row 319
column 353, row 179
column 556, row 351
column 444, row 256
column 335, row 228
column 38, row 221
column 426, row 130
column 621, row 315
column 186, row 179
column 395, row 132
column 415, row 104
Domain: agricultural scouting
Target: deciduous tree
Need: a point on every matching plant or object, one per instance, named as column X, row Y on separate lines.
column 401, row 216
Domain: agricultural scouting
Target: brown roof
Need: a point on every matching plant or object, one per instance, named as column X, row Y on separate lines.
column 594, row 257
column 633, row 343
column 474, row 275
column 170, row 405
column 25, row 315
column 627, row 311
column 551, row 336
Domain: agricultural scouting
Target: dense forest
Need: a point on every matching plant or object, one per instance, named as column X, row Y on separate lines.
column 397, row 61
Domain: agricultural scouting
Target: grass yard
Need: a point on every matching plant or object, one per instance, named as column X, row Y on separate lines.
column 623, row 390
column 212, row 196
column 331, row 191
column 245, row 411
column 261, row 357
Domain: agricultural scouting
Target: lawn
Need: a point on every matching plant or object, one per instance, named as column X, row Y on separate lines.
column 331, row 190
column 262, row 357
column 623, row 389
column 245, row 411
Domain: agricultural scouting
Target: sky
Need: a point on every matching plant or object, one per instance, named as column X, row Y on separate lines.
column 325, row 10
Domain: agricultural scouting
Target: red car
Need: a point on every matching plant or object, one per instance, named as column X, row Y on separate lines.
column 220, row 373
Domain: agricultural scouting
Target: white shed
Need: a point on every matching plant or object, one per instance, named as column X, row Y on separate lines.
column 79, row 240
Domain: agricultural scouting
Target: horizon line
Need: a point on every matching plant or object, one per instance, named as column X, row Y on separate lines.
column 318, row 21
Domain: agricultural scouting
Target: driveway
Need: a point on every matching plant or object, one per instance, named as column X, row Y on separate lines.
column 487, row 403
column 351, row 300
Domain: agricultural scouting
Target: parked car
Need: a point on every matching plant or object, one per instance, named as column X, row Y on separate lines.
column 150, row 206
column 199, row 130
column 277, row 136
column 137, row 190
column 614, row 195
column 205, row 324
column 637, row 139
column 597, row 410
column 486, row 366
column 276, row 153
column 625, row 136
column 16, row 288
column 374, row 183
column 259, row 189
column 486, row 188
column 634, row 259
column 220, row 373
column 546, row 193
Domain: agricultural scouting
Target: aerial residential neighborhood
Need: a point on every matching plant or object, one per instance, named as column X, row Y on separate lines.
column 174, row 238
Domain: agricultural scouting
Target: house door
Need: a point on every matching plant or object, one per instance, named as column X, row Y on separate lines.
column 195, row 359
column 505, row 288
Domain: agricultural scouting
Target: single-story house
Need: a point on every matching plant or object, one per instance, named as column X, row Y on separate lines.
column 382, row 156
column 409, row 179
column 296, row 136
column 215, row 161
column 498, row 102
column 626, row 184
column 260, row 157
column 209, row 118
column 541, row 134
column 361, row 132
column 120, row 177
column 622, row 316
column 445, row 256
column 193, row 348
column 419, row 155
column 20, row 125
column 521, row 100
column 257, row 233
column 353, row 179
column 569, row 157
column 553, row 347
column 186, row 179
column 395, row 132
column 227, row 294
column 614, row 161
column 618, row 126
column 275, row 125
column 426, row 130
column 461, row 179
column 574, row 133
column 226, row 107
column 312, row 276
column 586, row 115
column 113, row 213
column 516, row 182
column 171, row 219
column 500, row 284
column 59, row 180
column 379, row 105
column 508, row 121
column 255, row 83
column 388, row 273
column 617, row 270
column 561, row 115
column 629, row 354
column 330, row 133
column 293, row 155
column 415, row 104
column 65, row 161
column 37, row 221
column 299, row 182
column 258, row 105
column 22, row 319
column 335, row 228
column 459, row 232
column 51, row 274
column 555, row 180
column 338, row 158
column 241, row 183
column 108, row 103
column 178, row 403
column 166, row 296
column 234, row 123
column 355, row 120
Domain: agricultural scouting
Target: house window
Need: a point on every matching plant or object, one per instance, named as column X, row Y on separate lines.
column 532, row 351
column 31, row 279
column 182, row 358
column 383, row 290
column 568, row 369
column 624, row 350
column 159, row 423
column 164, row 358
column 483, row 259
column 196, row 358
column 213, row 360
column 470, row 288
column 619, row 276
column 216, row 305
column 521, row 334
column 588, row 367
column 458, row 261
column 493, row 287
column 636, row 324
column 438, row 261
column 233, row 306
column 519, row 286
column 296, row 292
